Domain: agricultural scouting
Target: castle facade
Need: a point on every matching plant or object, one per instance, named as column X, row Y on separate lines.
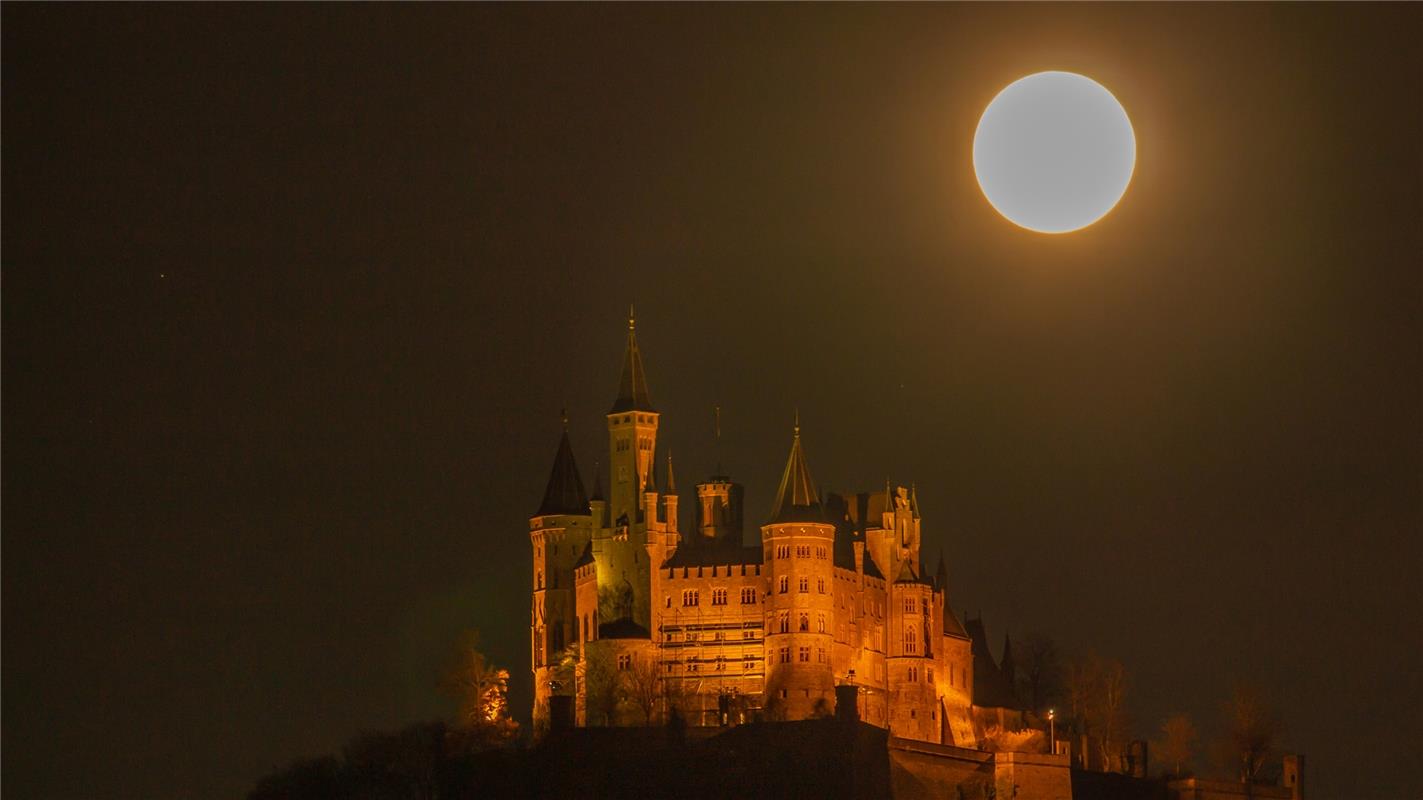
column 835, row 594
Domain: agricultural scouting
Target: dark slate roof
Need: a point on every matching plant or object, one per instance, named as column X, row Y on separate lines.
column 797, row 500
column 587, row 557
column 906, row 575
column 952, row 626
column 622, row 629
column 848, row 517
column 564, row 494
column 990, row 687
column 694, row 553
column 632, row 389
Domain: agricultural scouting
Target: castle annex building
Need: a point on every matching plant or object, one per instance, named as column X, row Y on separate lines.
column 834, row 595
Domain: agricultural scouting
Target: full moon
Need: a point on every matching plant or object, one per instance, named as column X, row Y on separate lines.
column 1054, row 152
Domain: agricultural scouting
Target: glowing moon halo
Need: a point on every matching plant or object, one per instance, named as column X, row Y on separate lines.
column 1054, row 152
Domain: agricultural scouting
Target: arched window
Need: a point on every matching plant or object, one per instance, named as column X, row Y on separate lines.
column 805, row 584
column 691, row 597
column 785, row 622
column 748, row 596
column 783, row 584
column 718, row 597
column 804, row 622
column 820, row 623
column 820, row 585
column 909, row 644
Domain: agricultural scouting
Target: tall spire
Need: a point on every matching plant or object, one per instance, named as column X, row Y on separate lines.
column 632, row 389
column 797, row 500
column 564, row 494
column 671, row 479
column 941, row 575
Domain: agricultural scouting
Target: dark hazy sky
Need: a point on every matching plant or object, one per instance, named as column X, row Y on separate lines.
column 292, row 296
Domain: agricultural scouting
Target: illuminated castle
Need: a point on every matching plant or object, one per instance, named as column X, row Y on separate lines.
column 834, row 595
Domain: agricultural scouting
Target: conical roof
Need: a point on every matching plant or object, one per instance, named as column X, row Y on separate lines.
column 797, row 500
column 632, row 388
column 564, row 494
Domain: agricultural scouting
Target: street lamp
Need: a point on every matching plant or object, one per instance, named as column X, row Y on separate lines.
column 1052, row 730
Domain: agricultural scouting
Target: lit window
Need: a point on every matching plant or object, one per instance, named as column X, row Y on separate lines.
column 804, row 622
column 805, row 654
column 785, row 655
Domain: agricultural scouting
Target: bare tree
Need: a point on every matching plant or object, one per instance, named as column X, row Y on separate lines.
column 482, row 692
column 1040, row 671
column 1111, row 712
column 600, row 684
column 1081, row 679
column 1251, row 731
column 1178, row 740
column 642, row 685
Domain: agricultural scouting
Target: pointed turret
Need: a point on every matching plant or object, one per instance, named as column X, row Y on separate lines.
column 564, row 494
column 671, row 479
column 796, row 500
column 632, row 389
column 914, row 500
column 941, row 574
column 1005, row 665
column 597, row 481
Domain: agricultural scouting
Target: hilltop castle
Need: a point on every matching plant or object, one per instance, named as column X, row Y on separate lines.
column 834, row 595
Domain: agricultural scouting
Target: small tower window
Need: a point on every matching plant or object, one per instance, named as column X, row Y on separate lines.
column 783, row 584
column 804, row 585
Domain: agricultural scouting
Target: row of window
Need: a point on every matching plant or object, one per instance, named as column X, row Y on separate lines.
column 802, row 551
column 693, row 597
column 695, row 636
column 802, row 655
column 784, row 623
column 803, row 584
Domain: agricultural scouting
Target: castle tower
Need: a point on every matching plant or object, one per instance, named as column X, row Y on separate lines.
column 632, row 435
column 799, row 543
column 559, row 533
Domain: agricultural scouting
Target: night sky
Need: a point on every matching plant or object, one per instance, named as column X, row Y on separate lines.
column 292, row 297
